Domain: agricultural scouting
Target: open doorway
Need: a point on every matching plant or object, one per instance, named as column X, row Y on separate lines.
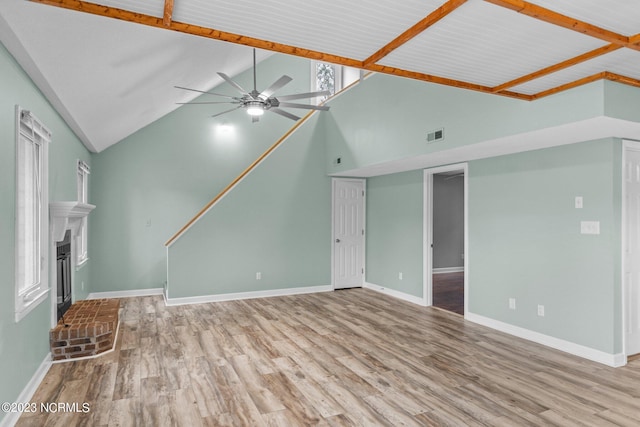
column 445, row 229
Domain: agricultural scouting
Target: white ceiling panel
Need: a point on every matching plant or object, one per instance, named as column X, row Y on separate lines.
column 112, row 82
column 147, row 7
column 353, row 29
column 488, row 45
column 109, row 78
column 625, row 62
column 619, row 16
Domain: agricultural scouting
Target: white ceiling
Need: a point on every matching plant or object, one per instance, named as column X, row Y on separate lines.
column 109, row 78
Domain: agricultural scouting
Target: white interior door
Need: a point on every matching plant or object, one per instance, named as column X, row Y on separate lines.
column 348, row 233
column 632, row 250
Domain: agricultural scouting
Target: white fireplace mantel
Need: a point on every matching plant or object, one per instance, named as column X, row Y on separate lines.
column 67, row 215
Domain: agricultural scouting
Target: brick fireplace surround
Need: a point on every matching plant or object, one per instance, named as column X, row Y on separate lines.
column 88, row 328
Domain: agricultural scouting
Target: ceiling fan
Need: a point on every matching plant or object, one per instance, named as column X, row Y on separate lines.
column 256, row 103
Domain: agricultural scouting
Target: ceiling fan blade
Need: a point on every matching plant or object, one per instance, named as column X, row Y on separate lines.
column 234, row 84
column 284, row 113
column 265, row 94
column 227, row 111
column 203, row 91
column 215, row 102
column 306, row 106
column 304, row 95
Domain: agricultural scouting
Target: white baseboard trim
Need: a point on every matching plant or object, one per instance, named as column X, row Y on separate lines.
column 247, row 295
column 396, row 294
column 27, row 393
column 613, row 360
column 444, row 270
column 126, row 294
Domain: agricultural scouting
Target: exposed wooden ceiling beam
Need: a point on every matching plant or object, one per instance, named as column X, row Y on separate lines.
column 557, row 67
column 440, row 80
column 125, row 15
column 418, row 28
column 556, row 18
column 570, row 85
column 604, row 75
column 168, row 12
column 139, row 18
column 621, row 79
column 634, row 42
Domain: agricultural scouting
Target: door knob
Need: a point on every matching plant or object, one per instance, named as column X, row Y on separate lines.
column 337, row 240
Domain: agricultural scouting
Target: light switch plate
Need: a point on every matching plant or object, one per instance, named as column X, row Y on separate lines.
column 578, row 202
column 590, row 227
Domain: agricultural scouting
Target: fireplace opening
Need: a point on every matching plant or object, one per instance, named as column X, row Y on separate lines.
column 64, row 274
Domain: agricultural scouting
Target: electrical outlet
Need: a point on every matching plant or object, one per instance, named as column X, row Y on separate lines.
column 258, row 276
column 512, row 303
column 82, row 285
column 541, row 310
column 400, row 276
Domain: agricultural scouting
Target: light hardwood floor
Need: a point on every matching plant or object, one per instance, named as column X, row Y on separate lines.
column 350, row 357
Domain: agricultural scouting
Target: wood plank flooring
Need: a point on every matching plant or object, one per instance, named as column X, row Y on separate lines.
column 448, row 291
column 345, row 358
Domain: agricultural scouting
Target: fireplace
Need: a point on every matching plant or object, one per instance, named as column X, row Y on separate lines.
column 66, row 220
column 63, row 269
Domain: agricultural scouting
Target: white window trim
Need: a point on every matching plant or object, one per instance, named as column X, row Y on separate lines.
column 337, row 83
column 344, row 76
column 82, row 241
column 27, row 299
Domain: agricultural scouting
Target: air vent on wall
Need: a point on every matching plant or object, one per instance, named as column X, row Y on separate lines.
column 436, row 135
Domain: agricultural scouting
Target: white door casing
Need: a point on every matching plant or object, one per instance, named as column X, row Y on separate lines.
column 428, row 232
column 348, row 233
column 631, row 255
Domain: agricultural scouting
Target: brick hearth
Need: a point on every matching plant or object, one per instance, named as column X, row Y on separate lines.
column 88, row 328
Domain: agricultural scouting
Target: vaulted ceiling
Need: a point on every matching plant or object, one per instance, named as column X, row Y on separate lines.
column 513, row 48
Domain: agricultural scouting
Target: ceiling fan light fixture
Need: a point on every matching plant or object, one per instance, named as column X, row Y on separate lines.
column 256, row 103
column 255, row 108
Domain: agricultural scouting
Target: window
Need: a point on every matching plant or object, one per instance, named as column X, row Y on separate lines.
column 325, row 76
column 32, row 227
column 83, row 197
column 334, row 78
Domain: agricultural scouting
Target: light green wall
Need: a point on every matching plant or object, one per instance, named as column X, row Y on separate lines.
column 23, row 345
column 149, row 185
column 621, row 101
column 277, row 221
column 525, row 241
column 387, row 118
column 394, row 231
